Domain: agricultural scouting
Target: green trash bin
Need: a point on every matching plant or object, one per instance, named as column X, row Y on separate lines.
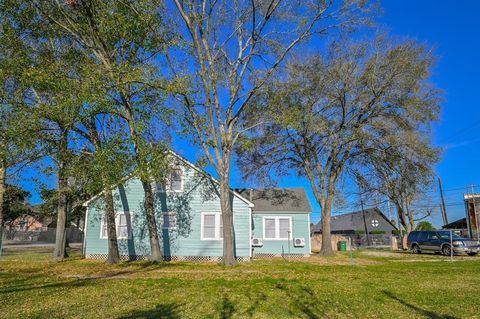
column 342, row 245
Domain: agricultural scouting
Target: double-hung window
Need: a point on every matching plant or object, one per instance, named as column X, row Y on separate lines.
column 176, row 180
column 211, row 226
column 169, row 220
column 173, row 182
column 277, row 228
column 123, row 226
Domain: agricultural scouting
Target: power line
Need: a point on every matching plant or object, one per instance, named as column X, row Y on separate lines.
column 461, row 132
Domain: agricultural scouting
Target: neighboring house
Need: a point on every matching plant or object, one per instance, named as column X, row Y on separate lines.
column 460, row 226
column 26, row 223
column 372, row 219
column 189, row 220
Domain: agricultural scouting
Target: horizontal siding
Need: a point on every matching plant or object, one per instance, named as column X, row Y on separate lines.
column 198, row 196
column 300, row 229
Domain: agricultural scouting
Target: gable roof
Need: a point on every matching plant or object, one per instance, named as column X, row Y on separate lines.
column 355, row 221
column 458, row 224
column 188, row 163
column 278, row 199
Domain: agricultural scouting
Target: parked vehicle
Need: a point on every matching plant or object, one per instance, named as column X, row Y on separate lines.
column 439, row 241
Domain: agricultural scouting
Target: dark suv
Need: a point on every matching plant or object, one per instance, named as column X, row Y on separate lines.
column 439, row 241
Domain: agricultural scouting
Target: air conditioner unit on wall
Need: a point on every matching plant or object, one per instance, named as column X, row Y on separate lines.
column 257, row 242
column 299, row 242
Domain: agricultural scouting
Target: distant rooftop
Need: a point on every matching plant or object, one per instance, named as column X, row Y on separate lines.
column 277, row 199
column 357, row 220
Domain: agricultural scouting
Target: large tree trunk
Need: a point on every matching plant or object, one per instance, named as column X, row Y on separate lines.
column 411, row 220
column 327, row 249
column 227, row 216
column 3, row 173
column 402, row 218
column 156, row 254
column 113, row 255
column 59, row 251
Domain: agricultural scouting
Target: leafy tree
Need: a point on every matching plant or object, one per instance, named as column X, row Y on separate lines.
column 14, row 203
column 424, row 225
column 331, row 115
column 17, row 143
column 230, row 51
column 123, row 40
column 109, row 162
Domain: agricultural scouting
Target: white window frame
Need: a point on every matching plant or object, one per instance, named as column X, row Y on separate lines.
column 218, row 217
column 103, row 223
column 169, row 182
column 277, row 227
column 170, row 214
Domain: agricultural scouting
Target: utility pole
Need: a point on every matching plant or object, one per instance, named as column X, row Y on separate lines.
column 475, row 211
column 443, row 209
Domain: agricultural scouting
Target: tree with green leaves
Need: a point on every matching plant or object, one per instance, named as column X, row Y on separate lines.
column 424, row 225
column 331, row 115
column 14, row 203
column 124, row 40
column 230, row 52
column 17, row 140
column 108, row 160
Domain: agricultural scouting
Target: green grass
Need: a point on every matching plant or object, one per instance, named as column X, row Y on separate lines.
column 374, row 285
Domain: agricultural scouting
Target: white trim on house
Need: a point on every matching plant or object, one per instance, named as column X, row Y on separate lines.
column 277, row 227
column 309, row 234
column 218, row 219
column 117, row 224
column 84, row 248
column 250, row 204
column 250, row 236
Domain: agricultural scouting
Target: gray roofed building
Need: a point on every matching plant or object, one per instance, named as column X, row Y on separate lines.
column 277, row 199
column 373, row 219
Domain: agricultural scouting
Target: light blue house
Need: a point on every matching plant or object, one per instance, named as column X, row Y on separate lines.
column 271, row 222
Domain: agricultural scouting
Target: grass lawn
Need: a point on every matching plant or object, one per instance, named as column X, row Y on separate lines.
column 375, row 285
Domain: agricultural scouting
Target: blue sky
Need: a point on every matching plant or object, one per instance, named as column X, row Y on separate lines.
column 452, row 29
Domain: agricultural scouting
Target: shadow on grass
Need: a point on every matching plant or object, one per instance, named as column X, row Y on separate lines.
column 302, row 300
column 63, row 284
column 421, row 311
column 28, row 283
column 227, row 308
column 165, row 311
column 254, row 302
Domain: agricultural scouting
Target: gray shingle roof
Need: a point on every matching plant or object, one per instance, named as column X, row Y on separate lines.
column 354, row 221
column 277, row 199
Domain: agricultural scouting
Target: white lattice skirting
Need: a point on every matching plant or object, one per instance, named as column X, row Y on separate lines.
column 289, row 256
column 167, row 258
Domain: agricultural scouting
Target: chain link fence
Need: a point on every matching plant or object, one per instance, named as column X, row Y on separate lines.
column 17, row 236
column 371, row 240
